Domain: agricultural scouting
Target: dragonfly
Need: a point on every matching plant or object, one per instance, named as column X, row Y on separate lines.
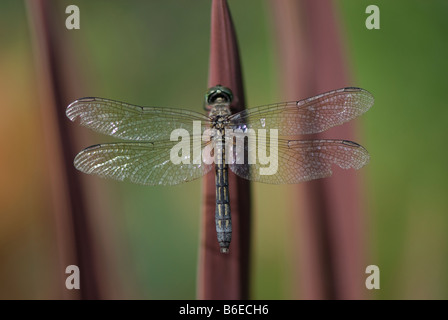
column 155, row 152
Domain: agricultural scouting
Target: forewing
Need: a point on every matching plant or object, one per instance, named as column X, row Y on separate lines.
column 306, row 116
column 142, row 163
column 303, row 160
column 131, row 122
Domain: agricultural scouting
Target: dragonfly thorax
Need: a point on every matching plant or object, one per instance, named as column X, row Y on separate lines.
column 219, row 115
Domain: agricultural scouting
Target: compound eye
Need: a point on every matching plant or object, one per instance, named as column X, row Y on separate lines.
column 213, row 94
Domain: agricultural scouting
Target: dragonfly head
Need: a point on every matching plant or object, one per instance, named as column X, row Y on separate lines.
column 217, row 94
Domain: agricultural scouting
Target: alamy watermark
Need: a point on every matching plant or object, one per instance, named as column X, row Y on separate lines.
column 232, row 147
column 73, row 280
column 73, row 20
column 373, row 280
column 373, row 20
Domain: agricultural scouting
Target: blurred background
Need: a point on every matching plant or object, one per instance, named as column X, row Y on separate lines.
column 156, row 53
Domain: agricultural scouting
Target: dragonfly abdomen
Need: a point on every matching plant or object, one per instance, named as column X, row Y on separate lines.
column 222, row 214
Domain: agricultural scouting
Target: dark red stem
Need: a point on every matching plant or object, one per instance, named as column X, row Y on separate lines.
column 225, row 276
column 75, row 241
column 330, row 211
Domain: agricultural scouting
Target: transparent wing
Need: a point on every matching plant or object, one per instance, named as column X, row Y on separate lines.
column 143, row 163
column 301, row 160
column 306, row 116
column 131, row 122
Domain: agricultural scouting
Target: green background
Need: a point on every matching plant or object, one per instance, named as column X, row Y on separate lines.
column 156, row 53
